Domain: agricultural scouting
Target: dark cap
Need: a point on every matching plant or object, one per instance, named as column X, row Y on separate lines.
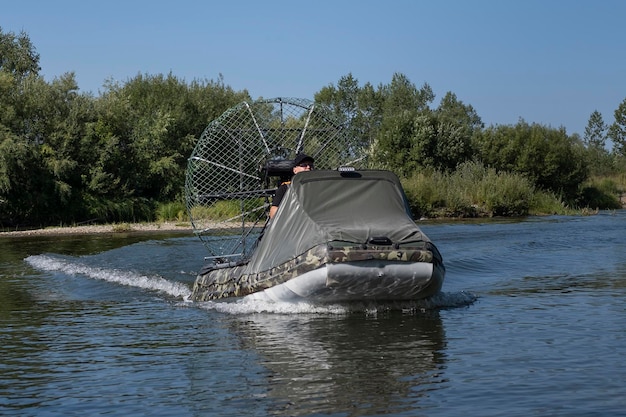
column 300, row 158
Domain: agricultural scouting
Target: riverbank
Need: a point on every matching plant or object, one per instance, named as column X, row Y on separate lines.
column 102, row 228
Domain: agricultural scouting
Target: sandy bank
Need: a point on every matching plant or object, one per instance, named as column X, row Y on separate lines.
column 106, row 228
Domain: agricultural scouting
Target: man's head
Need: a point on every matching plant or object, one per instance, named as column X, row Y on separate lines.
column 303, row 163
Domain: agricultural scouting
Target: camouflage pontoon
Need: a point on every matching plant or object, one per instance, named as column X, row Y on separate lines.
column 340, row 234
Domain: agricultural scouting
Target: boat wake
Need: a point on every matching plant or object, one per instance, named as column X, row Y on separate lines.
column 127, row 278
column 242, row 306
column 246, row 305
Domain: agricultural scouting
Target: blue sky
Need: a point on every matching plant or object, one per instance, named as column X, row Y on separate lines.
column 547, row 61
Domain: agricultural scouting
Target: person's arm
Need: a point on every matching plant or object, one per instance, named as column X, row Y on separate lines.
column 280, row 192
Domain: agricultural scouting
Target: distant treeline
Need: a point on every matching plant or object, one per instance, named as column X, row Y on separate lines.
column 68, row 157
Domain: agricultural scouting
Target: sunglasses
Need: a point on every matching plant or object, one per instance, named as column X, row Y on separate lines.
column 305, row 165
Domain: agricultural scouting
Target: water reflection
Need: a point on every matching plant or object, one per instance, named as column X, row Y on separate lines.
column 593, row 283
column 349, row 363
column 91, row 328
column 16, row 248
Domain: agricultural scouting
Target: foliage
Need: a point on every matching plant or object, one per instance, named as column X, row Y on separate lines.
column 549, row 203
column 17, row 55
column 595, row 131
column 471, row 191
column 441, row 139
column 25, row 189
column 354, row 107
column 365, row 111
column 146, row 129
column 133, row 209
column 546, row 156
column 602, row 193
column 598, row 158
column 396, row 122
column 172, row 211
column 222, row 210
column 67, row 157
column 617, row 131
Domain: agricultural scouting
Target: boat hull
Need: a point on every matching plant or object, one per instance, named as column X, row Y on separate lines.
column 332, row 272
column 359, row 281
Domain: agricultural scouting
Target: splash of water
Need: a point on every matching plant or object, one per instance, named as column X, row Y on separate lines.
column 242, row 306
column 128, row 278
column 249, row 306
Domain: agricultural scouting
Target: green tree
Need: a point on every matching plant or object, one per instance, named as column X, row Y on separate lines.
column 456, row 124
column 599, row 160
column 407, row 130
column 19, row 68
column 453, row 111
column 357, row 109
column 416, row 138
column 25, row 189
column 595, row 131
column 617, row 131
column 395, row 148
column 547, row 156
column 146, row 129
column 63, row 116
column 18, row 56
column 402, row 95
column 68, row 156
column 49, row 122
column 375, row 117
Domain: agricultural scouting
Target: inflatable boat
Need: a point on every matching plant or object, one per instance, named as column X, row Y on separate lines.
column 341, row 233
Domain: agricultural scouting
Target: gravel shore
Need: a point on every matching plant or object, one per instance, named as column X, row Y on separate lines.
column 105, row 228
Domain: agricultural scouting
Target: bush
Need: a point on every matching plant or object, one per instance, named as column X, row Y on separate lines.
column 423, row 193
column 471, row 191
column 547, row 203
column 600, row 193
column 550, row 158
column 172, row 211
column 132, row 210
column 230, row 209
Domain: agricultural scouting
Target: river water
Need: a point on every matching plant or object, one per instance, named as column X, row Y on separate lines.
column 531, row 322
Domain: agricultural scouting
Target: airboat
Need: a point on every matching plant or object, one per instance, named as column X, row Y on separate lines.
column 343, row 232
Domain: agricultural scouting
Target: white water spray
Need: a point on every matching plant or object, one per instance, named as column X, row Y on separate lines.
column 128, row 278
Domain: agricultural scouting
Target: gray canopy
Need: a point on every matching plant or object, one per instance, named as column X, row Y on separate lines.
column 331, row 206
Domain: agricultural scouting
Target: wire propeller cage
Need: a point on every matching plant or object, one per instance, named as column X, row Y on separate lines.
column 241, row 158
